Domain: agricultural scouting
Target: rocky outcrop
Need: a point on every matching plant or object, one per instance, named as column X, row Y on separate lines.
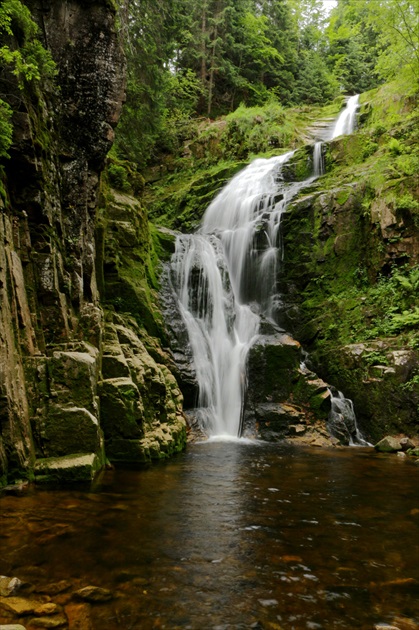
column 348, row 280
column 140, row 401
column 284, row 400
column 56, row 271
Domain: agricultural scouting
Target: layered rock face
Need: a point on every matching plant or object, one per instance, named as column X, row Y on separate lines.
column 51, row 320
column 338, row 242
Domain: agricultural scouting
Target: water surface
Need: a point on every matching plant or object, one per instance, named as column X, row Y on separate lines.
column 231, row 535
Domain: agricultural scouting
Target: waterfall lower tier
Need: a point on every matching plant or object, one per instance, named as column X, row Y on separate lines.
column 225, row 279
column 342, row 421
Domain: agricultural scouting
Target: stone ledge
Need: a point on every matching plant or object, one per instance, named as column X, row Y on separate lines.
column 68, row 469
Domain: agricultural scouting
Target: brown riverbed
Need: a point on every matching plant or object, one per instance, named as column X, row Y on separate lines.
column 226, row 536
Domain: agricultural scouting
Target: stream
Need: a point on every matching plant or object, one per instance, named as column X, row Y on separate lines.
column 229, row 535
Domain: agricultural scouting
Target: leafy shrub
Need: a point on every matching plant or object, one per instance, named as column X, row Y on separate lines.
column 6, row 128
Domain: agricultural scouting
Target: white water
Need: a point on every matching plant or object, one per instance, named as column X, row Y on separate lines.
column 346, row 122
column 343, row 414
column 225, row 279
column 318, row 162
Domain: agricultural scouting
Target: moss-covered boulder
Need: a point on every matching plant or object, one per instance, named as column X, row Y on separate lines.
column 79, row 467
column 388, row 444
column 141, row 409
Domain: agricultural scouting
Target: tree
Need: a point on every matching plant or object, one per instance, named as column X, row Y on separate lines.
column 353, row 53
column 397, row 24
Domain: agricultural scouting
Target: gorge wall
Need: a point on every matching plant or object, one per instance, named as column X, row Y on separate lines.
column 64, row 409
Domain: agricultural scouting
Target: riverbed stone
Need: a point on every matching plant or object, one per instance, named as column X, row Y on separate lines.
column 56, row 621
column 93, row 594
column 70, row 468
column 388, row 444
column 78, row 615
column 9, row 585
column 19, row 606
column 49, row 608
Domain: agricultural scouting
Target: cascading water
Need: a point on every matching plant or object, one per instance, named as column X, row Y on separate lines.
column 318, row 162
column 225, row 279
column 342, row 420
column 344, row 125
column 346, row 122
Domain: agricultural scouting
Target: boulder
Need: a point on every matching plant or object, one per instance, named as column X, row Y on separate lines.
column 68, row 430
column 71, row 468
column 406, row 443
column 388, row 445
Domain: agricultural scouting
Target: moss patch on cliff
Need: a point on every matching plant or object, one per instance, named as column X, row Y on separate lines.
column 128, row 260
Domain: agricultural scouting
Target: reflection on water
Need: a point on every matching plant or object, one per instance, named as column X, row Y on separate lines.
column 231, row 535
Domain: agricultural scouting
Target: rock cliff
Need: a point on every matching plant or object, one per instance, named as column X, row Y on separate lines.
column 53, row 332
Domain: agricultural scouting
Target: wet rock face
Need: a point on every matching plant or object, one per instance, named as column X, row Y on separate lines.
column 283, row 399
column 48, row 290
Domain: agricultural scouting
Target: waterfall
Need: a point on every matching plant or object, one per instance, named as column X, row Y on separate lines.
column 225, row 279
column 318, row 162
column 346, row 122
column 342, row 420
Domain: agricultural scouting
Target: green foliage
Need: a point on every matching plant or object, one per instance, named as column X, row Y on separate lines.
column 397, row 24
column 394, row 146
column 6, row 128
column 253, row 130
column 23, row 55
column 118, row 177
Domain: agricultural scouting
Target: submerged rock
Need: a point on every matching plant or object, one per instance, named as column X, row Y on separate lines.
column 93, row 594
column 8, row 585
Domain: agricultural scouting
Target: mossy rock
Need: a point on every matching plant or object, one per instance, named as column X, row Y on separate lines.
column 272, row 368
column 74, row 468
column 68, row 430
column 121, row 409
